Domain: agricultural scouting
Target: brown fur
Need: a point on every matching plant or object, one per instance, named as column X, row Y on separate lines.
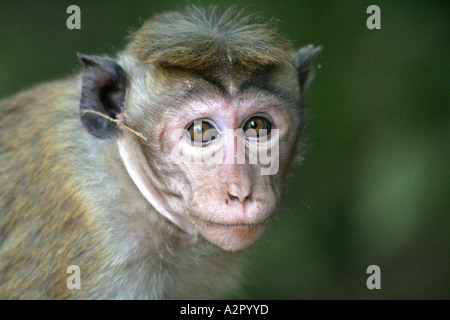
column 43, row 218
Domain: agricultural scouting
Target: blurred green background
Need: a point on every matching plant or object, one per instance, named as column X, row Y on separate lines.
column 374, row 187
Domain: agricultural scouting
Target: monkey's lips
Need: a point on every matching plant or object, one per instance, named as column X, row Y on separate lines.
column 228, row 236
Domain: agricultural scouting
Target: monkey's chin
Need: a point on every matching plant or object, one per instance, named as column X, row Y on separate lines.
column 230, row 237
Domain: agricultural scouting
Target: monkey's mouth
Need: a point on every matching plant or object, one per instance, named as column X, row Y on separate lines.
column 233, row 225
column 210, row 223
column 230, row 236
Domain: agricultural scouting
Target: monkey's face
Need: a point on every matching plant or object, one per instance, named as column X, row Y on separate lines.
column 229, row 153
column 217, row 145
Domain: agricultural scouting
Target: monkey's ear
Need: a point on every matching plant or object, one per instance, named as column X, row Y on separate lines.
column 303, row 62
column 103, row 90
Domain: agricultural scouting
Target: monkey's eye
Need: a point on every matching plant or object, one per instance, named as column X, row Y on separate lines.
column 202, row 132
column 256, row 127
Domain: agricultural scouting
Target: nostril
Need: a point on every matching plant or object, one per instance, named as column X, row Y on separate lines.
column 239, row 192
column 235, row 198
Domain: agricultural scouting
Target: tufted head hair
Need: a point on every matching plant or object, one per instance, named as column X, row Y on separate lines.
column 200, row 39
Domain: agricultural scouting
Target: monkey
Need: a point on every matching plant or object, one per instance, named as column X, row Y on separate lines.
column 89, row 176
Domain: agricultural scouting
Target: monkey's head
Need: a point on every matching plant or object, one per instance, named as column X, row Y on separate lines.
column 218, row 97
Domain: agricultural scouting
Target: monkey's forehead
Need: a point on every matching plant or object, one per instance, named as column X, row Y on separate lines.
column 201, row 39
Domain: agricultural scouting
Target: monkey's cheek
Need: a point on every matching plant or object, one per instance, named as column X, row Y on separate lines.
column 231, row 238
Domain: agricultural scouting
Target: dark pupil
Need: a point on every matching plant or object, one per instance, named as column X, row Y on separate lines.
column 201, row 131
column 257, row 124
column 253, row 124
column 198, row 129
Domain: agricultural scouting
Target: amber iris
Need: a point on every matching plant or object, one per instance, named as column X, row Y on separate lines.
column 202, row 131
column 257, row 124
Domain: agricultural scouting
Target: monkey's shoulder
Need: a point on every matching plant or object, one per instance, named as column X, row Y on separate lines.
column 42, row 98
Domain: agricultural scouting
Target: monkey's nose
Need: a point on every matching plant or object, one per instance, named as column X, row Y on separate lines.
column 240, row 190
column 240, row 204
column 239, row 196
